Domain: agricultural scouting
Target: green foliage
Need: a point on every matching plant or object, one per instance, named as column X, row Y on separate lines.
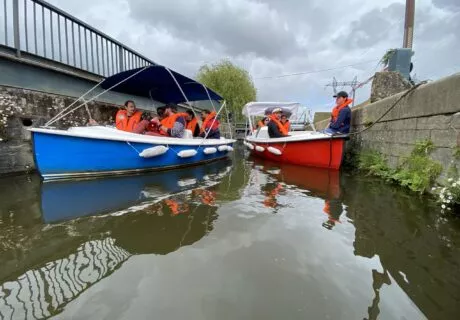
column 416, row 172
column 374, row 164
column 386, row 57
column 456, row 154
column 233, row 83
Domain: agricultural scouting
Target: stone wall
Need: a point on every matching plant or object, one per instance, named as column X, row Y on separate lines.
column 431, row 112
column 21, row 109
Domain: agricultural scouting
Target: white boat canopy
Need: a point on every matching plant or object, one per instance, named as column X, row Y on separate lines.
column 252, row 109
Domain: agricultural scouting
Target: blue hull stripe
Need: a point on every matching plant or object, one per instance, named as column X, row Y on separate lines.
column 58, row 156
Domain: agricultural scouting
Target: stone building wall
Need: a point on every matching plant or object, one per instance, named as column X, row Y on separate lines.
column 431, row 112
column 21, row 109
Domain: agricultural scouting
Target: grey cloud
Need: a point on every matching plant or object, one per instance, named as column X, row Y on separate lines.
column 274, row 37
column 239, row 27
column 453, row 5
column 372, row 27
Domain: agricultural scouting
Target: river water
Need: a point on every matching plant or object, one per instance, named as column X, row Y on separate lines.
column 239, row 239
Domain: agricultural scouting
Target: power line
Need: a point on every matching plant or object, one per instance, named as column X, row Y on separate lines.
column 317, row 71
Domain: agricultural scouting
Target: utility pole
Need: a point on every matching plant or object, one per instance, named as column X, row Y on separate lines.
column 353, row 84
column 409, row 24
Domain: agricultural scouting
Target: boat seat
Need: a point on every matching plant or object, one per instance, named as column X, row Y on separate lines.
column 187, row 134
column 262, row 133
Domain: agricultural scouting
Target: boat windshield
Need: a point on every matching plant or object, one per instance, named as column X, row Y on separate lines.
column 253, row 109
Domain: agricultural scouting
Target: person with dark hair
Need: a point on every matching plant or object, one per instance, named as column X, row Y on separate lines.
column 275, row 128
column 263, row 122
column 340, row 115
column 173, row 123
column 210, row 127
column 285, row 121
column 192, row 123
column 128, row 118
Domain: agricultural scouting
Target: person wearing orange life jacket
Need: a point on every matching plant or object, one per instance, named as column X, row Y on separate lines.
column 341, row 115
column 192, row 123
column 285, row 121
column 333, row 209
column 173, row 124
column 210, row 127
column 127, row 119
column 275, row 128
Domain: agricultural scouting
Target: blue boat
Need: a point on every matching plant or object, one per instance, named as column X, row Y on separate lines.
column 99, row 150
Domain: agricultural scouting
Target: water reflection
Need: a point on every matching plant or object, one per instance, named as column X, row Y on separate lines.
column 145, row 214
column 64, row 200
column 254, row 240
column 40, row 293
column 315, row 182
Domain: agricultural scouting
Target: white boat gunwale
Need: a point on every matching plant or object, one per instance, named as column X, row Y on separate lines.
column 123, row 136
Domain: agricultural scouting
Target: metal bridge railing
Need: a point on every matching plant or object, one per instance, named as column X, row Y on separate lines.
column 38, row 28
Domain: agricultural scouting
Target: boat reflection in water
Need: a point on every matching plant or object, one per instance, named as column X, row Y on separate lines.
column 164, row 211
column 64, row 200
column 318, row 182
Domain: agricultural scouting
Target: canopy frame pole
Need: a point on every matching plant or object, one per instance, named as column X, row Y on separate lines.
column 97, row 96
column 188, row 102
column 250, row 124
column 312, row 124
column 228, row 123
column 70, row 105
column 212, row 123
column 180, row 88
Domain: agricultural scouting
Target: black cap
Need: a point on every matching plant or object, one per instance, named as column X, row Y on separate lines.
column 341, row 94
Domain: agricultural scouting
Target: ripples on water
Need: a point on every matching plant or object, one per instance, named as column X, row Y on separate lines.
column 245, row 239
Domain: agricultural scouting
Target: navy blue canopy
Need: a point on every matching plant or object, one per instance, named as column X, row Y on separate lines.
column 156, row 82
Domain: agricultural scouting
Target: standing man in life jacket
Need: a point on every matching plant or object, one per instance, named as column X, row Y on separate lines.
column 341, row 115
column 192, row 123
column 210, row 127
column 173, row 124
column 128, row 118
column 275, row 128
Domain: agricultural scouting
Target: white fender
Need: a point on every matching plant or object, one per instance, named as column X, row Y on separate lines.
column 249, row 145
column 222, row 148
column 209, row 150
column 229, row 148
column 274, row 151
column 153, row 151
column 260, row 149
column 187, row 153
column 186, row 182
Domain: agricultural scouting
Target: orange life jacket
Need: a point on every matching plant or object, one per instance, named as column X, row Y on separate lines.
column 125, row 123
column 168, row 122
column 191, row 125
column 287, row 125
column 270, row 200
column 281, row 128
column 337, row 109
column 209, row 119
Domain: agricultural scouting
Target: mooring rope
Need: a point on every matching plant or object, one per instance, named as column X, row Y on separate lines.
column 391, row 108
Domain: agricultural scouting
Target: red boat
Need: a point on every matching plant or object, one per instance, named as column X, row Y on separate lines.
column 306, row 148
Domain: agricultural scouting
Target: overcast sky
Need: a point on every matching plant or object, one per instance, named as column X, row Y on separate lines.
column 277, row 37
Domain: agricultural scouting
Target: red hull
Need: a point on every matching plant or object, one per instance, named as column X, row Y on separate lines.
column 321, row 153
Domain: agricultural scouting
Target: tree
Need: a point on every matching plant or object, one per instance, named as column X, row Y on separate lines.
column 233, row 83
